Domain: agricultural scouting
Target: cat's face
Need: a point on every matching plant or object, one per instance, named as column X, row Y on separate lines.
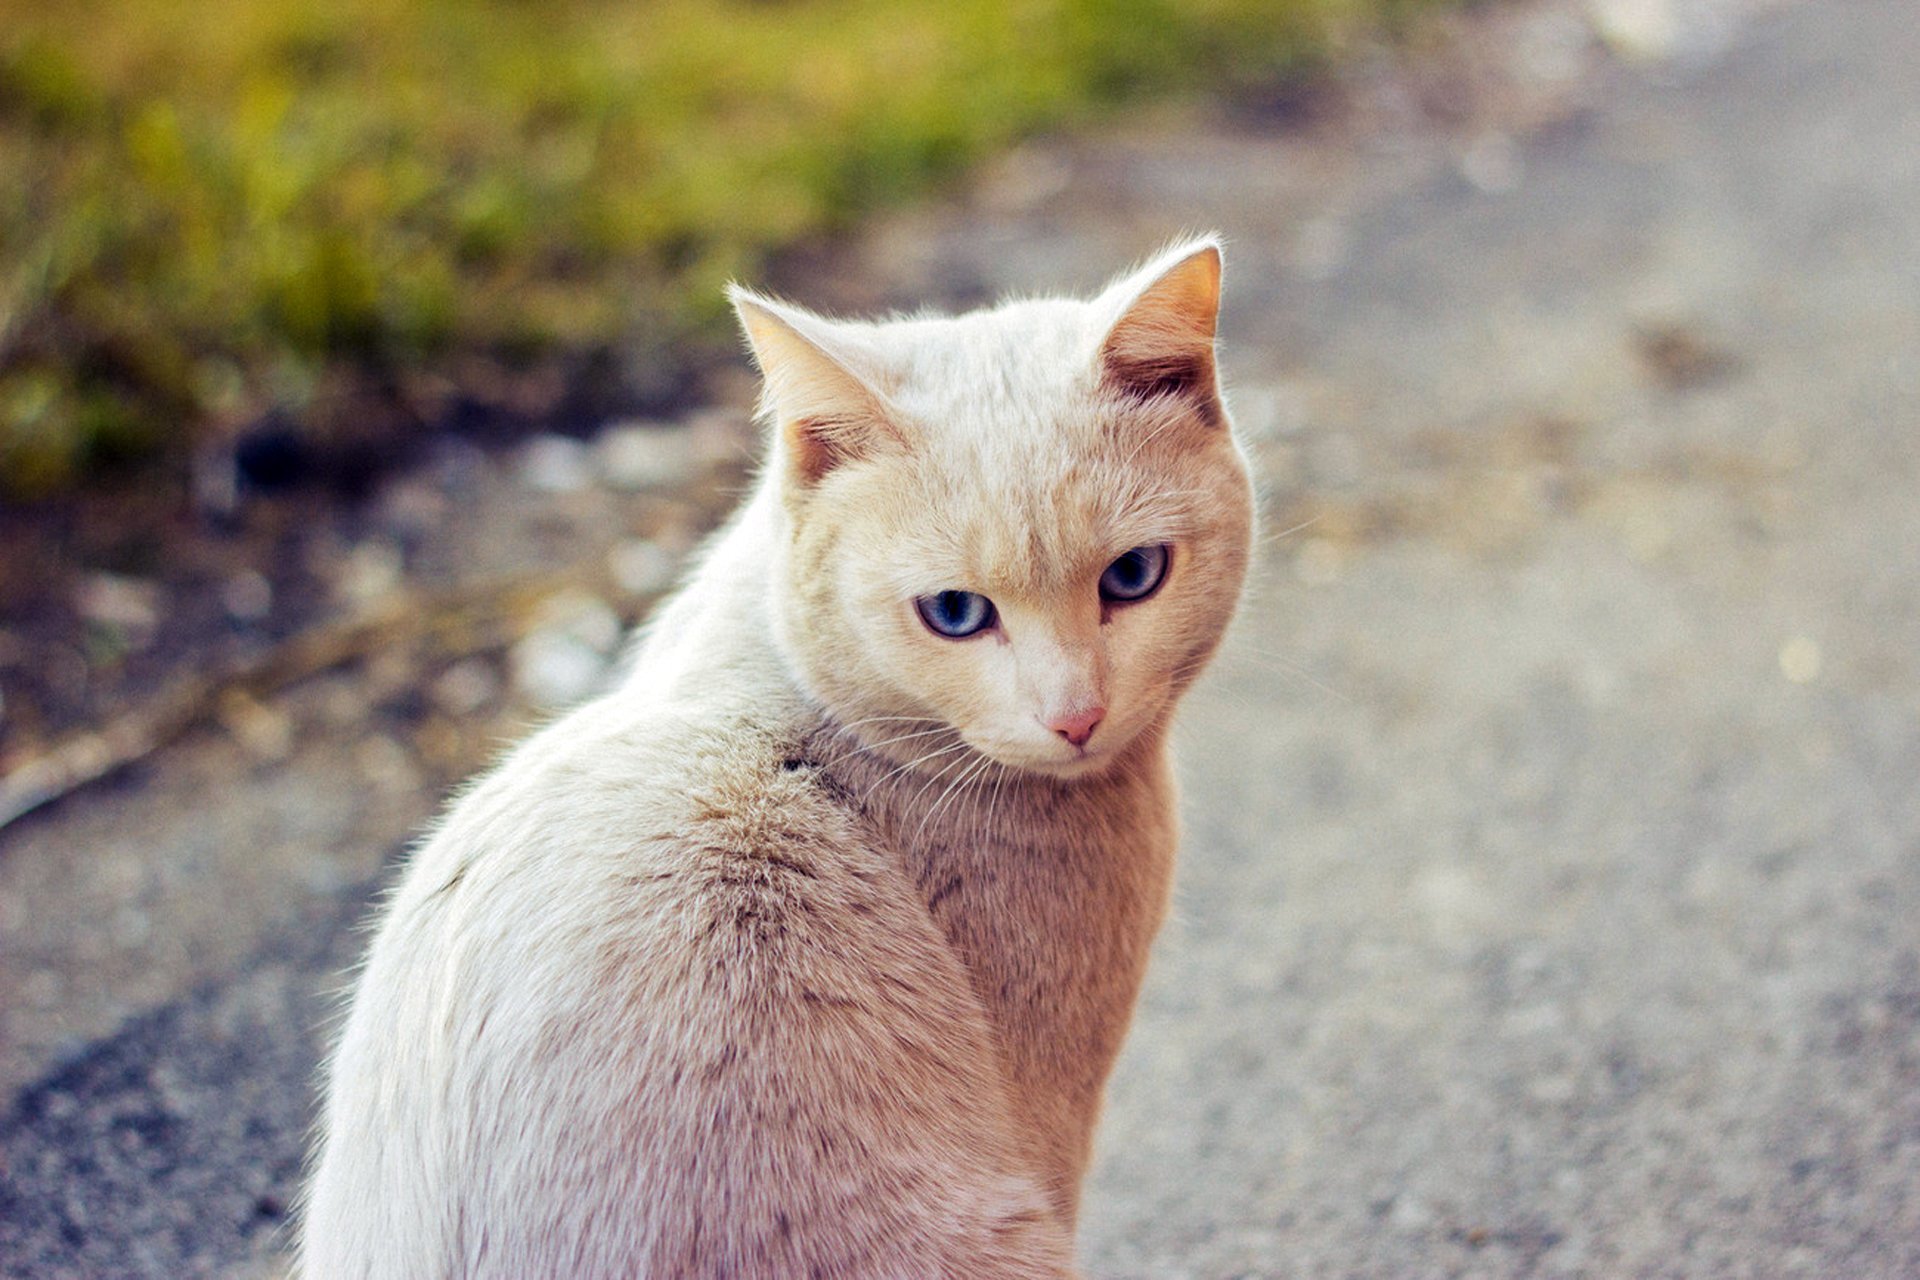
column 1029, row 525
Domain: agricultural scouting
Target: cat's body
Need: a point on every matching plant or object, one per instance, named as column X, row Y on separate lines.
column 809, row 949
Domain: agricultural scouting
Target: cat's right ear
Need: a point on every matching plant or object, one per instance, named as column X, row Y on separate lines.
column 824, row 412
column 1160, row 338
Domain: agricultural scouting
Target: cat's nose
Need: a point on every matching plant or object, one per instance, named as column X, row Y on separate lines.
column 1078, row 726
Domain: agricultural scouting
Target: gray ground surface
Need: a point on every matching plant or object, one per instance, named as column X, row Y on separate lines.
column 1551, row 900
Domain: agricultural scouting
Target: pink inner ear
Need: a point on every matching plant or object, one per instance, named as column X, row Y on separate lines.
column 1180, row 374
column 1162, row 344
column 1172, row 373
column 820, row 443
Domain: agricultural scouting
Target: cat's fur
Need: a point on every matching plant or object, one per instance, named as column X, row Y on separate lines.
column 807, row 951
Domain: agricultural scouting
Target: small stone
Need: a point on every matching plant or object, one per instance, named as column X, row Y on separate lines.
column 1647, row 534
column 465, row 687
column 247, row 596
column 1641, row 30
column 555, row 464
column 552, row 669
column 263, row 731
column 583, row 616
column 1552, row 47
column 1679, row 357
column 372, row 571
column 1410, row 1214
column 1317, row 562
column 567, row 652
column 110, row 600
column 642, row 566
column 643, row 455
column 385, row 763
column 1800, row 660
column 1492, row 164
column 1269, row 410
column 413, row 506
column 131, row 928
column 1553, row 1089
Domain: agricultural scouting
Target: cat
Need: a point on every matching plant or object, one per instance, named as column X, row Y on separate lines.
column 807, row 950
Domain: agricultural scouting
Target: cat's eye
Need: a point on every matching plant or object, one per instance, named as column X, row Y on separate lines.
column 1135, row 575
column 955, row 614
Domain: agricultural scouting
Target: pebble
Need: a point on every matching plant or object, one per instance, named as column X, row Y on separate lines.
column 131, row 928
column 372, row 571
column 585, row 617
column 631, row 456
column 385, row 763
column 413, row 506
column 1643, row 30
column 110, row 600
column 563, row 658
column 553, row 670
column 1270, row 410
column 247, row 596
column 1800, row 660
column 1552, row 47
column 1491, row 163
column 642, row 566
column 1410, row 1214
column 263, row 731
column 1317, row 562
column 465, row 687
column 555, row 464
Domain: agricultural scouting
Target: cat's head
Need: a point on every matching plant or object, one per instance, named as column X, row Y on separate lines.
column 1029, row 524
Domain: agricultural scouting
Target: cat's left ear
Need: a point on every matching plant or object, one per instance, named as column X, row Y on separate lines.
column 1160, row 342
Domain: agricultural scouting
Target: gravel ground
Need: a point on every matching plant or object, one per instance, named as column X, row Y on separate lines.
column 1551, row 898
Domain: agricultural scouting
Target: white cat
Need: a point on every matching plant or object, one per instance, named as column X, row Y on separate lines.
column 808, row 950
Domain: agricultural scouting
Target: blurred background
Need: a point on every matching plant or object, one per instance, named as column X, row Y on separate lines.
column 1551, row 896
column 255, row 252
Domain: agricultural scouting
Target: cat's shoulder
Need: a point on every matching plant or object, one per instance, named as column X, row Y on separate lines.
column 614, row 795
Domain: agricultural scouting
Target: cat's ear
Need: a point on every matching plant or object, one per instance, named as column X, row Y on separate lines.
column 1160, row 340
column 823, row 411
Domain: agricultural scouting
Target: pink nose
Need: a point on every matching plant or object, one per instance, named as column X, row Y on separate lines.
column 1079, row 726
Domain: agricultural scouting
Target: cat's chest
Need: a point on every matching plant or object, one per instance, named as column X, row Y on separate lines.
column 1061, row 891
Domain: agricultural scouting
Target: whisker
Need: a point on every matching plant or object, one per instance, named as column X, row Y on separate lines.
column 973, row 771
column 1308, row 523
column 993, row 804
column 902, row 737
column 855, row 724
column 918, row 760
column 963, row 764
column 1273, row 663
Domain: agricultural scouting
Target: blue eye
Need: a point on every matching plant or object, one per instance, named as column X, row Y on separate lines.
column 955, row 614
column 1135, row 575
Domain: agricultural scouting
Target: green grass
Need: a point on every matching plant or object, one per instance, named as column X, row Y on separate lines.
column 213, row 210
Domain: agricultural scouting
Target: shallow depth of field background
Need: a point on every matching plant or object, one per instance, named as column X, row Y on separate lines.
column 217, row 211
column 1550, row 894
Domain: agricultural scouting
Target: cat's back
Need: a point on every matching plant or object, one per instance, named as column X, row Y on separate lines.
column 657, row 942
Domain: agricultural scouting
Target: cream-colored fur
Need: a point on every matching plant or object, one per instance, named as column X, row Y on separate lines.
column 807, row 951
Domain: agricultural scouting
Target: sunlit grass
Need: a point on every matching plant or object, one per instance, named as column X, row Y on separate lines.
column 213, row 210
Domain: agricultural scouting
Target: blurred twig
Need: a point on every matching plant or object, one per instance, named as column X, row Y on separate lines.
column 456, row 623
